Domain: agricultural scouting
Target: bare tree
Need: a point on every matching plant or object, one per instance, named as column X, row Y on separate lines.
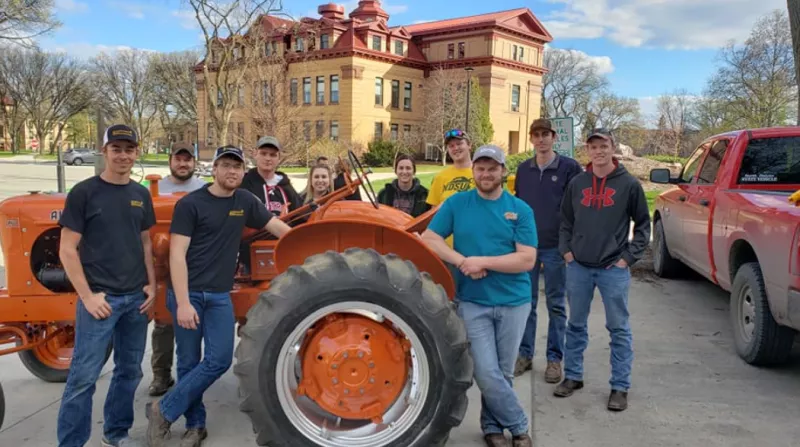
column 570, row 85
column 125, row 82
column 794, row 23
column 675, row 113
column 757, row 80
column 175, row 87
column 23, row 20
column 231, row 47
column 13, row 117
column 613, row 112
column 444, row 106
column 50, row 87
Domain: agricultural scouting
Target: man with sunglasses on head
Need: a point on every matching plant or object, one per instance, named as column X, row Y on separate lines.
column 455, row 178
column 206, row 228
column 597, row 211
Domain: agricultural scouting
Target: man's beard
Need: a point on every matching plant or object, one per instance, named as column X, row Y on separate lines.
column 492, row 188
column 182, row 178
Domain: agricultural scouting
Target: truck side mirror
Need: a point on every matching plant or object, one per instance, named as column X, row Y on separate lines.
column 660, row 175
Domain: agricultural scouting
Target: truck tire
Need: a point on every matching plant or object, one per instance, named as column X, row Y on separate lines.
column 45, row 364
column 759, row 340
column 327, row 286
column 664, row 265
column 2, row 406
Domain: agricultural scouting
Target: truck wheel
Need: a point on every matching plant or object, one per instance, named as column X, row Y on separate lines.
column 759, row 339
column 2, row 406
column 353, row 348
column 664, row 265
column 50, row 361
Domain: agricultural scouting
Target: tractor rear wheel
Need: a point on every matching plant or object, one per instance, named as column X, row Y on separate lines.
column 353, row 349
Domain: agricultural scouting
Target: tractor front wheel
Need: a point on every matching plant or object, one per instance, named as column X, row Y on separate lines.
column 353, row 349
column 50, row 360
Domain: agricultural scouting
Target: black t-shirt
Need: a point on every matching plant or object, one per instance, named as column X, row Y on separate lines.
column 215, row 226
column 110, row 219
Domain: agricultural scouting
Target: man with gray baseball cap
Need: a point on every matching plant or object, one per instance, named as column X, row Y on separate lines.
column 493, row 287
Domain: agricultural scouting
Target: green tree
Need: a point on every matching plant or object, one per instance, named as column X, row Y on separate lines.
column 480, row 123
column 79, row 129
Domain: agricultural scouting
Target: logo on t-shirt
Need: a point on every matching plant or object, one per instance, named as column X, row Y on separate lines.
column 603, row 199
column 510, row 216
column 137, row 203
column 236, row 213
column 458, row 184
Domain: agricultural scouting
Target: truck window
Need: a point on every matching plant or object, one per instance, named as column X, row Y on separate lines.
column 771, row 161
column 694, row 162
column 708, row 174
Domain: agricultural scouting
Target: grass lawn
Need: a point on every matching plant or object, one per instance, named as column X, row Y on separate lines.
column 651, row 198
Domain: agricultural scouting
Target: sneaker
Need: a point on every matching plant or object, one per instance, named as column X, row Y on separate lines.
column 618, row 400
column 496, row 440
column 567, row 387
column 161, row 385
column 158, row 427
column 553, row 372
column 522, row 365
column 523, row 440
column 124, row 442
column 194, row 437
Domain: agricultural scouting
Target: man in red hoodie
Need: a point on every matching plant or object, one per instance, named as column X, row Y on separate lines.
column 598, row 207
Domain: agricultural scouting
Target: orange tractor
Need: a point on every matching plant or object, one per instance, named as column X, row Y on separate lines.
column 348, row 334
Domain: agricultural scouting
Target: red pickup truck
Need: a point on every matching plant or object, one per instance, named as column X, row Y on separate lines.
column 728, row 218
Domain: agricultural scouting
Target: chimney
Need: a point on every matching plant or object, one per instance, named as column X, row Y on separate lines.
column 331, row 11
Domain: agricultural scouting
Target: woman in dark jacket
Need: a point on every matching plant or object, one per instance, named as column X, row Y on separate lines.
column 405, row 193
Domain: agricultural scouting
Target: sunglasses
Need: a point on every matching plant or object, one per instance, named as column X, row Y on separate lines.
column 455, row 133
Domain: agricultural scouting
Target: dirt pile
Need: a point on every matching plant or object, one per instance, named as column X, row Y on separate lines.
column 640, row 167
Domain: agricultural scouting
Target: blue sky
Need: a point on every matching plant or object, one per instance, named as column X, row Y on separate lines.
column 646, row 47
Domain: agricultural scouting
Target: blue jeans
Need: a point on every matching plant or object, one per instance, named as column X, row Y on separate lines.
column 613, row 284
column 552, row 265
column 216, row 330
column 494, row 334
column 127, row 327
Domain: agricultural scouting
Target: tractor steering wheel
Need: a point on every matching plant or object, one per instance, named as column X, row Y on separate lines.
column 137, row 171
column 359, row 170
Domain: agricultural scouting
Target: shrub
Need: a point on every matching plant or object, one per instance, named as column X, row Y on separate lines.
column 383, row 153
column 513, row 161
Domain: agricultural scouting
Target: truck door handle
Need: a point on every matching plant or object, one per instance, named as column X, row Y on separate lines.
column 704, row 202
column 682, row 198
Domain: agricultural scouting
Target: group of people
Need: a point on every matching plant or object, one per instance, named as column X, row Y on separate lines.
column 570, row 224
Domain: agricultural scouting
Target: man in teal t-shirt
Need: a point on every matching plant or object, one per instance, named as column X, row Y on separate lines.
column 494, row 248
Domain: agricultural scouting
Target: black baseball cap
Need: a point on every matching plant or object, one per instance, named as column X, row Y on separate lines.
column 602, row 133
column 229, row 151
column 120, row 132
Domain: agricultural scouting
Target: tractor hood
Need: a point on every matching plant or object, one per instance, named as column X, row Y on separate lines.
column 34, row 208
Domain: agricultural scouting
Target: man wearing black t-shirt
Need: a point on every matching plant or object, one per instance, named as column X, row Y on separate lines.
column 206, row 228
column 107, row 255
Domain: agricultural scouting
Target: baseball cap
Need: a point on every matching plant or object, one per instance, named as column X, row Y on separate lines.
column 490, row 151
column 455, row 133
column 120, row 132
column 229, row 151
column 601, row 133
column 542, row 123
column 268, row 141
column 178, row 148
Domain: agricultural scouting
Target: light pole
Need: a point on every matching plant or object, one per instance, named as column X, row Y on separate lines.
column 469, row 90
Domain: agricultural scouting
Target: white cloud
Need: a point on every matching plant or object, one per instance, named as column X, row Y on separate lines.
column 603, row 63
column 132, row 10
column 187, row 19
column 71, row 6
column 671, row 24
column 85, row 50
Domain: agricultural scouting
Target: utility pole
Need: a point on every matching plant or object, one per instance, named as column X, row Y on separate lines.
column 99, row 161
column 469, row 91
column 62, row 184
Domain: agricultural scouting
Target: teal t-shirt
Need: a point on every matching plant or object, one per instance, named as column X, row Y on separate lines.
column 482, row 227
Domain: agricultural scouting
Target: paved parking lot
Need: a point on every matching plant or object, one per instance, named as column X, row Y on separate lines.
column 689, row 387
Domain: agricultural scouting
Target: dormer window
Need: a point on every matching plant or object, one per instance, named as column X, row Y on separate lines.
column 324, row 41
column 376, row 43
column 399, row 48
column 299, row 44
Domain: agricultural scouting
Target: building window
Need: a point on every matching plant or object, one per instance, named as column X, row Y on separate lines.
column 320, row 90
column 306, row 90
column 324, row 41
column 376, row 43
column 335, row 130
column 307, row 131
column 515, row 98
column 219, row 97
column 394, row 135
column 451, row 49
column 320, row 129
column 461, row 50
column 293, row 92
column 210, row 134
column 395, row 94
column 299, row 44
column 293, row 128
column 521, row 54
column 378, row 91
column 378, row 131
column 268, row 49
column 407, row 97
column 240, row 94
column 240, row 132
column 399, row 47
column 406, row 129
column 334, row 89
column 515, row 53
column 265, row 93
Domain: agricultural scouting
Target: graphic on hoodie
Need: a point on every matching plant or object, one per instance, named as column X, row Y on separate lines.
column 278, row 195
column 602, row 197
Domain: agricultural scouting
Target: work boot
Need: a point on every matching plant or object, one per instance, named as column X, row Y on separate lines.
column 194, row 437
column 523, row 440
column 161, row 385
column 567, row 387
column 553, row 372
column 522, row 365
column 618, row 400
column 496, row 440
column 124, row 442
column 158, row 426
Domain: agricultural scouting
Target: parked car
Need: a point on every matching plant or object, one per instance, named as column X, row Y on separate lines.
column 728, row 218
column 79, row 156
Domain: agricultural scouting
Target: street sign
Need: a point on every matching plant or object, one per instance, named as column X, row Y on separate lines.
column 564, row 143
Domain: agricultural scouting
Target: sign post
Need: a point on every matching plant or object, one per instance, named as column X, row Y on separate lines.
column 564, row 143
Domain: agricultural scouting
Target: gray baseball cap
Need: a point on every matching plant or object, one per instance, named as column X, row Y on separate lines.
column 490, row 151
column 268, row 141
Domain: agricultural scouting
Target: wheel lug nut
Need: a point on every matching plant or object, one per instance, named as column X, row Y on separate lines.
column 334, row 366
column 360, row 354
column 371, row 365
column 346, row 391
column 371, row 380
column 361, row 391
column 344, row 355
column 335, row 380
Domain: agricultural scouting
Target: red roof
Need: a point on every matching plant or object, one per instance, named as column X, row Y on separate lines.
column 493, row 18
